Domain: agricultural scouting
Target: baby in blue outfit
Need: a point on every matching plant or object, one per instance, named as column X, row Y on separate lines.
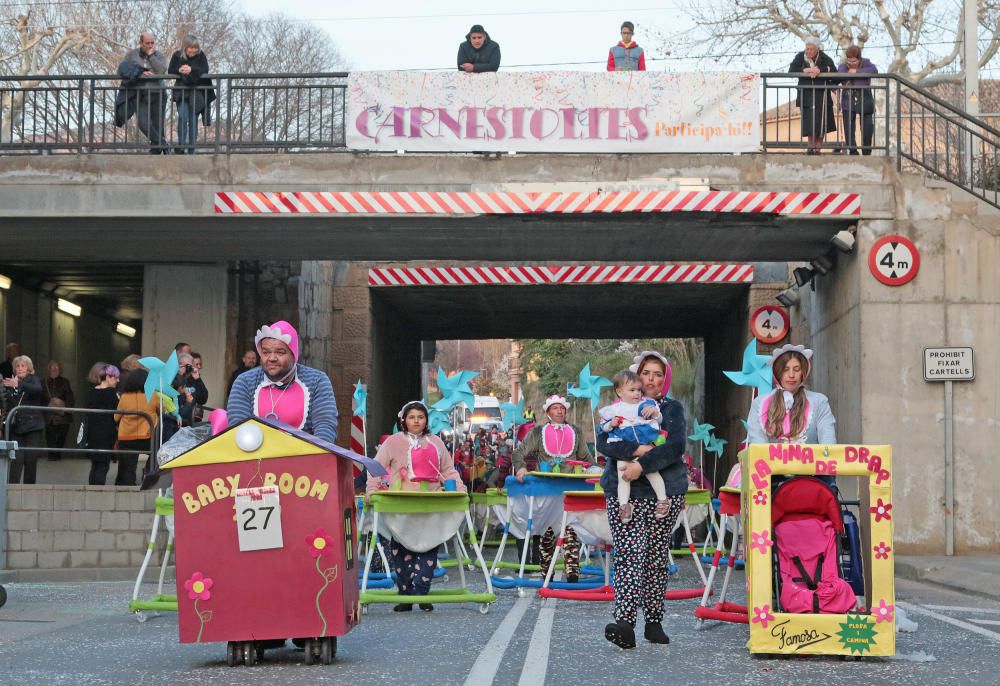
column 624, row 421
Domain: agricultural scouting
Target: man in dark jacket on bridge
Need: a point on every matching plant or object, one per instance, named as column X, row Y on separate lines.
column 478, row 52
column 138, row 67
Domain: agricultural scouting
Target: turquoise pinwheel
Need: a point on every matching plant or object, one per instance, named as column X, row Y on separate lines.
column 437, row 421
column 455, row 389
column 702, row 432
column 589, row 386
column 715, row 444
column 513, row 414
column 360, row 399
column 161, row 375
column 755, row 372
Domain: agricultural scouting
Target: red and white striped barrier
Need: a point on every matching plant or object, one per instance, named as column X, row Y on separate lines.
column 555, row 202
column 570, row 275
column 357, row 427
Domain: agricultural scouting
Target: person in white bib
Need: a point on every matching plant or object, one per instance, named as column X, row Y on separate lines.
column 552, row 443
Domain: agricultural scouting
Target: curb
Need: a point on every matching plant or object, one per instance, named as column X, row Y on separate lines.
column 915, row 572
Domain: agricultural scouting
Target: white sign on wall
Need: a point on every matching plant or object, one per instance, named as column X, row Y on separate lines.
column 948, row 364
column 554, row 111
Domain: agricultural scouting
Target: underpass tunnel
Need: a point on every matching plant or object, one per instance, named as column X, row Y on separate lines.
column 402, row 317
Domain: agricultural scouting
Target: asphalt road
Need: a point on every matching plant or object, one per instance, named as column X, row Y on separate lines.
column 81, row 633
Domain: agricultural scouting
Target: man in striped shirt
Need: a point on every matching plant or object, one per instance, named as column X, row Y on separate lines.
column 281, row 389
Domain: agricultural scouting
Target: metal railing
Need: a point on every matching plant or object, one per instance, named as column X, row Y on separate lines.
column 238, row 113
column 307, row 113
column 85, row 411
column 853, row 118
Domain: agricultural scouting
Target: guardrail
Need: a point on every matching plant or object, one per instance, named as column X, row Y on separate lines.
column 85, row 411
column 239, row 113
column 285, row 113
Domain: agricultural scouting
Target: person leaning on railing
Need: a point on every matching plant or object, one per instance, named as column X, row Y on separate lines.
column 813, row 95
column 141, row 95
column 192, row 93
column 856, row 101
column 478, row 52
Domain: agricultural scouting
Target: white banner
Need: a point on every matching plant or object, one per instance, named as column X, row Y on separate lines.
column 554, row 111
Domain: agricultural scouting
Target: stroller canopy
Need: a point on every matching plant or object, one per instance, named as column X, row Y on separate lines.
column 805, row 498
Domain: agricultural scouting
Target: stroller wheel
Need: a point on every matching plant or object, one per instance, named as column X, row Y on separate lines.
column 484, row 608
column 140, row 616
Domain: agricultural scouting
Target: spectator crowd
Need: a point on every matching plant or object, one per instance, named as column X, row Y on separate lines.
column 123, row 422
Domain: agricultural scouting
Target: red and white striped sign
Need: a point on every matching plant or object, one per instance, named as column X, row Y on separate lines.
column 556, row 202
column 568, row 274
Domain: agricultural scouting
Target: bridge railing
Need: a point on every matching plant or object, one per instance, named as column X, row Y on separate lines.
column 239, row 113
column 307, row 113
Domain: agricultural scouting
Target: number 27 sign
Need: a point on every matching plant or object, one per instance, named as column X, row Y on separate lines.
column 258, row 518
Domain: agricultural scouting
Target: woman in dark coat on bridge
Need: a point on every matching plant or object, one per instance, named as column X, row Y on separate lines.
column 193, row 93
column 813, row 97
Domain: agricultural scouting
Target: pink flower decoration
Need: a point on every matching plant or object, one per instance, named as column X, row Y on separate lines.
column 199, row 587
column 762, row 615
column 881, row 551
column 883, row 613
column 319, row 543
column 881, row 510
column 760, row 498
column 761, row 541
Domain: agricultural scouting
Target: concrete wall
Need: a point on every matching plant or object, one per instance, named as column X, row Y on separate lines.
column 74, row 527
column 869, row 340
column 183, row 302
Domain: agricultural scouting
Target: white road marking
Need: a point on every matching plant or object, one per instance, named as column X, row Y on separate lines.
column 991, row 622
column 960, row 608
column 486, row 666
column 917, row 609
column 536, row 662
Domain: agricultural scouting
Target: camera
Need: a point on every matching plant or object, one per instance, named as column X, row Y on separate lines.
column 187, row 368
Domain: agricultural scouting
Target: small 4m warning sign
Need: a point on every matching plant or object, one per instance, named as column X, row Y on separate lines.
column 894, row 260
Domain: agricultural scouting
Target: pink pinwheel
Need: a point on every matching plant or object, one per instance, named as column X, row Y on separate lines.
column 199, row 587
column 881, row 551
column 761, row 541
column 760, row 498
column 762, row 615
column 883, row 612
column 881, row 510
column 319, row 543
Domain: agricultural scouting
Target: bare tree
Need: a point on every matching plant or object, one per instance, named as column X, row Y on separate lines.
column 92, row 37
column 922, row 37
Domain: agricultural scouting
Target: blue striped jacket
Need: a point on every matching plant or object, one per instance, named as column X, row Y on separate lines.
column 320, row 416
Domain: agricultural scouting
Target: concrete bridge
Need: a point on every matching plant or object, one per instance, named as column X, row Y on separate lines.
column 170, row 245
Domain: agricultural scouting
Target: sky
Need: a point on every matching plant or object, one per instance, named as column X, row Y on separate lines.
column 407, row 35
column 567, row 34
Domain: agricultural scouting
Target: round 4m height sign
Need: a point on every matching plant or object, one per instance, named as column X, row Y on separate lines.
column 894, row 260
column 769, row 324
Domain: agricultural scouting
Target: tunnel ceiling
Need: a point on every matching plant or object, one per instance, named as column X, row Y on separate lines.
column 591, row 311
column 109, row 289
column 730, row 237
